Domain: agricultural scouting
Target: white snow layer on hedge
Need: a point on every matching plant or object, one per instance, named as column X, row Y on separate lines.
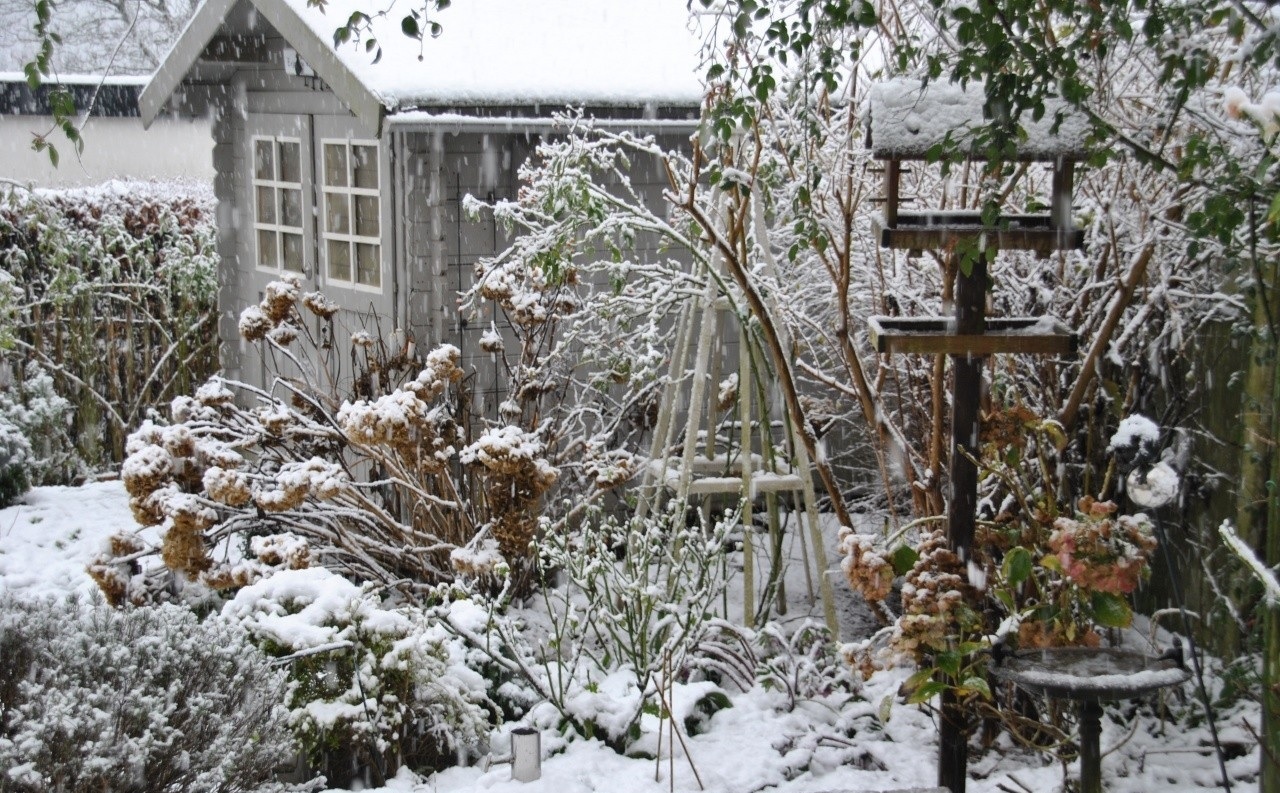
column 299, row 609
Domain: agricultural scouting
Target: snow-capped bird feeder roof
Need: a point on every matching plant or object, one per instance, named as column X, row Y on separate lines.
column 907, row 118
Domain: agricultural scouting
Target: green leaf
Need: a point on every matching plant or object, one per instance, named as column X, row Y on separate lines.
column 949, row 663
column 1273, row 214
column 1016, row 567
column 918, row 678
column 903, row 558
column 1111, row 611
column 926, row 692
column 62, row 104
column 409, row 27
column 1006, row 600
column 976, row 685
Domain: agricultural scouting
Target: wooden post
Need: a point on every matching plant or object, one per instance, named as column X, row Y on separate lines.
column 1269, row 778
column 1090, row 749
column 971, row 301
column 892, row 176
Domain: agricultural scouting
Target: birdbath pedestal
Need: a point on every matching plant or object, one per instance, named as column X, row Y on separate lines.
column 1089, row 676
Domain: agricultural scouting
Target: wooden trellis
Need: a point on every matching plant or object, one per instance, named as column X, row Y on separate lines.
column 688, row 460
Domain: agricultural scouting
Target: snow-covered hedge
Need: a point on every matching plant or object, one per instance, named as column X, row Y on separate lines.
column 94, row 699
column 112, row 290
column 15, row 462
column 370, row 686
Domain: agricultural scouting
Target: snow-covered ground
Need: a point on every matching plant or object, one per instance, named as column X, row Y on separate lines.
column 871, row 742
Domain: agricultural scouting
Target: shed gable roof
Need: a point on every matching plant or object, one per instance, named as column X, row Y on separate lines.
column 490, row 52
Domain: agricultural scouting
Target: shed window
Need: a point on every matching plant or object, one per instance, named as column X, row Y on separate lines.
column 352, row 212
column 277, row 203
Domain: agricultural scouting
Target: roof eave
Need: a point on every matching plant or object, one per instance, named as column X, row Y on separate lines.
column 318, row 54
column 182, row 56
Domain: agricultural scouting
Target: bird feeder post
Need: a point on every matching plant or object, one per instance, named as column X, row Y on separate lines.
column 910, row 121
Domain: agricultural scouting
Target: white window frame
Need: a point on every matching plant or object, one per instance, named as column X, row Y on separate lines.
column 348, row 193
column 277, row 229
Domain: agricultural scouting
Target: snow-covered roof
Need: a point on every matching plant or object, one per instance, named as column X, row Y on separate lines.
column 907, row 118
column 488, row 53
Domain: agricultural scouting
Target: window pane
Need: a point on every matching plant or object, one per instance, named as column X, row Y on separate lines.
column 266, row 204
column 335, row 164
column 365, row 166
column 290, row 162
column 263, row 165
column 267, row 250
column 368, row 264
column 337, row 216
column 367, row 215
column 291, row 208
column 292, row 252
column 340, row 260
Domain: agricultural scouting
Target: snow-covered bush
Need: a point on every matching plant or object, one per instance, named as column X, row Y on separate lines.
column 32, row 404
column 112, row 290
column 638, row 598
column 94, row 698
column 15, row 462
column 369, row 685
column 381, row 468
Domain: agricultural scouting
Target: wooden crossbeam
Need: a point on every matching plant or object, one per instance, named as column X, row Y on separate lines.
column 933, row 335
column 942, row 230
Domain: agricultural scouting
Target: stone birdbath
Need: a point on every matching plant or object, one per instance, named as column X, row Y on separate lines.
column 1089, row 676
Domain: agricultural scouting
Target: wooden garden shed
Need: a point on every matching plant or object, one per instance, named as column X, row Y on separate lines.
column 351, row 173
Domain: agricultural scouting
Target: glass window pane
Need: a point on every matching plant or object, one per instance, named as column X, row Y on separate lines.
column 339, row 252
column 290, row 162
column 365, row 166
column 292, row 252
column 335, row 164
column 367, row 215
column 368, row 264
column 267, row 250
column 266, row 204
column 291, row 208
column 263, row 162
column 337, row 215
